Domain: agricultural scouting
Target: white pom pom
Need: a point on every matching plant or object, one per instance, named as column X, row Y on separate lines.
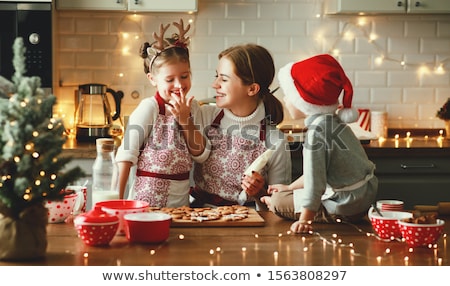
column 348, row 115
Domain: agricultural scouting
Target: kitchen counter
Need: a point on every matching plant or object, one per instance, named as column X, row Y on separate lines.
column 337, row 244
column 387, row 147
column 77, row 150
column 401, row 147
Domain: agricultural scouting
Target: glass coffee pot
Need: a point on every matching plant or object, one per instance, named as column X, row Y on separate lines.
column 94, row 116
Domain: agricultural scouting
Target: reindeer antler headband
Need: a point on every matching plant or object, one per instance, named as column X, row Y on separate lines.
column 162, row 44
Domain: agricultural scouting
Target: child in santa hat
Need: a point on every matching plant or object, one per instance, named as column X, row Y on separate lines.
column 338, row 179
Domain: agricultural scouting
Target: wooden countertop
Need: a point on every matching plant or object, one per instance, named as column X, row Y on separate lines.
column 333, row 244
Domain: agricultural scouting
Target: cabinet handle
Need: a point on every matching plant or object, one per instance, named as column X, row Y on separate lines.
column 399, row 4
column 417, row 4
column 136, row 2
column 404, row 166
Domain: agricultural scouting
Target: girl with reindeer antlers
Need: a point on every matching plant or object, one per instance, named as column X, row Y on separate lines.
column 161, row 138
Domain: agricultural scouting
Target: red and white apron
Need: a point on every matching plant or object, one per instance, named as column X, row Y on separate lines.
column 219, row 178
column 162, row 176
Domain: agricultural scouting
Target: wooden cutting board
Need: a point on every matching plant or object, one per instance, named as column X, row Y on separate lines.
column 253, row 219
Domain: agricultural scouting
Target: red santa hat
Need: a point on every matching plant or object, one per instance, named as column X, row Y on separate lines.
column 314, row 86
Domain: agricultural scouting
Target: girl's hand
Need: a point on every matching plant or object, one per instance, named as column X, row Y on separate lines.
column 180, row 107
column 253, row 184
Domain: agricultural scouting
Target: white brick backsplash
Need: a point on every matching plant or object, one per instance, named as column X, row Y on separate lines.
column 403, row 45
column 75, row 43
column 443, row 29
column 259, row 28
column 435, row 80
column 90, row 47
column 275, row 11
column 361, row 97
column 388, row 27
column 386, row 95
column 430, row 45
column 418, row 95
column 403, row 78
column 94, row 60
column 305, row 10
column 290, row 28
column 354, row 62
column 370, row 78
column 91, row 26
column 226, row 27
column 242, row 11
column 442, row 94
column 279, row 46
column 402, row 112
column 420, row 28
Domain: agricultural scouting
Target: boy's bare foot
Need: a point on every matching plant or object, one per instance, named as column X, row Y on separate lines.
column 267, row 201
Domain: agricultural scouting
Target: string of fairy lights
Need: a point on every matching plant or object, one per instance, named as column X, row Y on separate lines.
column 360, row 26
column 307, row 241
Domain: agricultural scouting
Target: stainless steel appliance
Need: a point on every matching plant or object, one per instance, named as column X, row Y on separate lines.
column 32, row 21
column 94, row 116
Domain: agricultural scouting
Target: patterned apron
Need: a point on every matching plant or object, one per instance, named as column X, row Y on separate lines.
column 218, row 179
column 162, row 176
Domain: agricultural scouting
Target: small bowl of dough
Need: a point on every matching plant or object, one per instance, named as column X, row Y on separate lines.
column 417, row 233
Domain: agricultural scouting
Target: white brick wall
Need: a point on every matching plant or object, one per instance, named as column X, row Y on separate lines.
column 90, row 48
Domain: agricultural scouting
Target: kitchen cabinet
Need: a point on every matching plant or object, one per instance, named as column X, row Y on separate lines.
column 110, row 5
column 414, row 180
column 129, row 5
column 163, row 6
column 387, row 7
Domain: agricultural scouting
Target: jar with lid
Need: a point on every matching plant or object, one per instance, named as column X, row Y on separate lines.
column 104, row 172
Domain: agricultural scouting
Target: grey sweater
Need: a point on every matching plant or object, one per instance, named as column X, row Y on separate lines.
column 333, row 157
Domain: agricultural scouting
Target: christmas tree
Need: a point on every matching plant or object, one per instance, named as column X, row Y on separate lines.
column 31, row 168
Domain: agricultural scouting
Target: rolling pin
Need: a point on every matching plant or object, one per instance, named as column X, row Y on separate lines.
column 442, row 208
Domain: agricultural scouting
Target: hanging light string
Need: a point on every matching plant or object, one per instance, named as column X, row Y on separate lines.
column 347, row 33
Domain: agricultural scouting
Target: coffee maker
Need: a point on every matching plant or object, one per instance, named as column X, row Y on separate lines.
column 94, row 116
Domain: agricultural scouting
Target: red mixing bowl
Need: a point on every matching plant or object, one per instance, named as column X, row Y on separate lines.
column 147, row 227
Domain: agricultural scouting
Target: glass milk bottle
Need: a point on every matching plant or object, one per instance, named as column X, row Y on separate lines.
column 104, row 172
